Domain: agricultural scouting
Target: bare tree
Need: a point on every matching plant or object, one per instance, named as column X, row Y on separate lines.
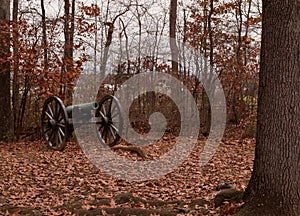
column 44, row 35
column 109, row 37
column 68, row 62
column 172, row 34
column 16, row 71
column 5, row 108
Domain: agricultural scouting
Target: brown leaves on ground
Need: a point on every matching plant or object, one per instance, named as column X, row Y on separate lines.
column 38, row 181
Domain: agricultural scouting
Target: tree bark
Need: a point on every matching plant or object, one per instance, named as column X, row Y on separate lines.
column 274, row 187
column 16, row 76
column 205, row 111
column 108, row 42
column 5, row 102
column 44, row 40
column 173, row 45
column 68, row 61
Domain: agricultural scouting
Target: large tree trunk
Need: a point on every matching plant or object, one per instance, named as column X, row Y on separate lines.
column 5, row 105
column 274, row 188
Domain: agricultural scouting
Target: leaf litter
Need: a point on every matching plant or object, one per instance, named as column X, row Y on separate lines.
column 36, row 180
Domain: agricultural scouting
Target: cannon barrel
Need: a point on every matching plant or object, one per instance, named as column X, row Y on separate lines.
column 84, row 108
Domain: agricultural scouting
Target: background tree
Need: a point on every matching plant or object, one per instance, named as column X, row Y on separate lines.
column 224, row 32
column 274, row 188
column 16, row 62
column 68, row 61
column 172, row 33
column 228, row 35
column 5, row 108
column 108, row 42
column 44, row 36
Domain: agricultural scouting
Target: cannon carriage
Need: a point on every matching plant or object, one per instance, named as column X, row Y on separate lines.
column 58, row 121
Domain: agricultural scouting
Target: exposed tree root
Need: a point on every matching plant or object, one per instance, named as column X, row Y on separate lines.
column 136, row 149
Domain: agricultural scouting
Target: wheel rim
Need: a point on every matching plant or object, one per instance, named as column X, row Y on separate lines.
column 54, row 123
column 110, row 128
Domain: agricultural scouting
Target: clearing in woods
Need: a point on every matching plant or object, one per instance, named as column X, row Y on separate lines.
column 36, row 180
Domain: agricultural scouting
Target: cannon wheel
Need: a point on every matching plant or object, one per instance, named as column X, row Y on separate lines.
column 110, row 127
column 55, row 123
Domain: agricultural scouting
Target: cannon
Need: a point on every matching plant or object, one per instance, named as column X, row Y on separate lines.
column 58, row 121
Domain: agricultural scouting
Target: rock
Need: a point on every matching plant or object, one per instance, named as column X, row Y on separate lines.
column 198, row 202
column 223, row 186
column 19, row 210
column 230, row 195
column 128, row 198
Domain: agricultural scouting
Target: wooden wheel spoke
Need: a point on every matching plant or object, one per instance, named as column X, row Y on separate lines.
column 104, row 134
column 114, row 127
column 60, row 135
column 112, row 132
column 60, row 115
column 101, row 126
column 56, row 137
column 115, row 115
column 53, row 108
column 114, row 110
column 61, row 131
column 107, row 134
column 61, row 125
column 51, row 134
column 49, row 115
column 104, row 111
column 47, row 129
column 57, row 110
column 51, row 111
column 51, row 137
column 109, row 107
column 106, row 108
column 102, row 115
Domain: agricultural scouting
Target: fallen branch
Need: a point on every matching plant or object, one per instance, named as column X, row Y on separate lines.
column 136, row 149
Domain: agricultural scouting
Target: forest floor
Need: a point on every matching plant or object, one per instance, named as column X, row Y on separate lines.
column 36, row 180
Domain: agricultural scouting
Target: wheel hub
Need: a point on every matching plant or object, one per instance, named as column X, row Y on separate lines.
column 105, row 120
column 52, row 123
